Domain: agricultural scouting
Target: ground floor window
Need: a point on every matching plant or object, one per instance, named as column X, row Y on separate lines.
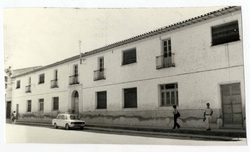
column 29, row 106
column 101, row 100
column 55, row 103
column 130, row 98
column 169, row 94
column 41, row 104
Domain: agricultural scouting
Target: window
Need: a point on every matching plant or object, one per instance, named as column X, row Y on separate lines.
column 29, row 106
column 225, row 33
column 76, row 70
column 169, row 94
column 167, row 48
column 41, row 78
column 56, row 75
column 102, row 100
column 101, row 63
column 29, row 80
column 18, row 84
column 130, row 98
column 129, row 56
column 55, row 103
column 41, row 104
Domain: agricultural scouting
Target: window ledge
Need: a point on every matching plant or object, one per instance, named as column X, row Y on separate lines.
column 101, row 109
column 130, row 109
column 218, row 45
column 129, row 63
column 167, row 107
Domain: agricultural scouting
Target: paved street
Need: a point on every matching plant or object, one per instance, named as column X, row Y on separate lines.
column 34, row 134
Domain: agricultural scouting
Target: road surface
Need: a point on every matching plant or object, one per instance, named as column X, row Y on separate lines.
column 34, row 134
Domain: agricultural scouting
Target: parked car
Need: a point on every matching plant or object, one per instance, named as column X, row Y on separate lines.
column 68, row 121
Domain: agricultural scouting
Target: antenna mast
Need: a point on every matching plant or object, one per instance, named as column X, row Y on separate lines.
column 80, row 55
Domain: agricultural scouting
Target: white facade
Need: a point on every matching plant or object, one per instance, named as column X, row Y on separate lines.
column 200, row 70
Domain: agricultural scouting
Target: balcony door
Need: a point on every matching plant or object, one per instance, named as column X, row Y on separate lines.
column 167, row 52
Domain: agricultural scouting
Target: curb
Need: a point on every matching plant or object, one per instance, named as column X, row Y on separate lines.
column 169, row 135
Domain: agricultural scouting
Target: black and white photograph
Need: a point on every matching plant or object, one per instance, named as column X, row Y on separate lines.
column 163, row 77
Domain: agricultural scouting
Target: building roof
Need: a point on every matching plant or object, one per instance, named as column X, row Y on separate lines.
column 164, row 29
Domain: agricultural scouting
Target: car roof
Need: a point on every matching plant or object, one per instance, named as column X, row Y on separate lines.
column 67, row 114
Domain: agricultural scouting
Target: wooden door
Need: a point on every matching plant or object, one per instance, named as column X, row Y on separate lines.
column 231, row 104
column 8, row 110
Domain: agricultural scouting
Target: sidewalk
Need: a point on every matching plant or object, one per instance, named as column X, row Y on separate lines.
column 214, row 134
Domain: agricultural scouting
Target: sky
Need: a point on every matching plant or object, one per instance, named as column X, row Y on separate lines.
column 42, row 36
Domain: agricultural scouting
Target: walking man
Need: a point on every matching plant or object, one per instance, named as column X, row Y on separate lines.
column 207, row 116
column 176, row 115
column 13, row 115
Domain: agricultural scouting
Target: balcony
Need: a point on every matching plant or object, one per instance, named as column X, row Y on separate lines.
column 73, row 79
column 28, row 89
column 99, row 74
column 163, row 61
column 54, row 83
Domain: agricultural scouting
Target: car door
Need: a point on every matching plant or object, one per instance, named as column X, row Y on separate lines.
column 58, row 120
column 63, row 121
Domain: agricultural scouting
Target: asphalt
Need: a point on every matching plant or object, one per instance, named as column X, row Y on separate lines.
column 187, row 133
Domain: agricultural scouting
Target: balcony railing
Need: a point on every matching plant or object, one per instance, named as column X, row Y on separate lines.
column 28, row 89
column 99, row 74
column 54, row 83
column 165, row 61
column 73, row 79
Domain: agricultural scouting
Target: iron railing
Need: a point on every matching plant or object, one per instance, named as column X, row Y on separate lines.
column 54, row 83
column 164, row 61
column 73, row 79
column 28, row 89
column 99, row 74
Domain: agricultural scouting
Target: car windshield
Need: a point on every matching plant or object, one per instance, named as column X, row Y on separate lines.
column 73, row 117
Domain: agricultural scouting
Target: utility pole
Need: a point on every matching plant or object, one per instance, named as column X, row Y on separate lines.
column 80, row 55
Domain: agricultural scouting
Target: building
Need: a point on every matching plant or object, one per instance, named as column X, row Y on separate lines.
column 138, row 80
column 8, row 86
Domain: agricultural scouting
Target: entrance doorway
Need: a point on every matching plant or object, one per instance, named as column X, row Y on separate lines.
column 231, row 105
column 75, row 102
column 8, row 110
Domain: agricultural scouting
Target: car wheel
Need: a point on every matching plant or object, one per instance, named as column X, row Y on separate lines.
column 82, row 128
column 55, row 126
column 67, row 127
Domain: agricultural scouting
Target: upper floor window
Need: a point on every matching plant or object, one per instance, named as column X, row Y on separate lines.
column 54, row 83
column 73, row 79
column 165, row 60
column 100, row 73
column 41, row 78
column 225, row 33
column 167, row 48
column 169, row 94
column 56, row 75
column 101, row 63
column 129, row 56
column 29, row 80
column 76, row 70
column 18, row 84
